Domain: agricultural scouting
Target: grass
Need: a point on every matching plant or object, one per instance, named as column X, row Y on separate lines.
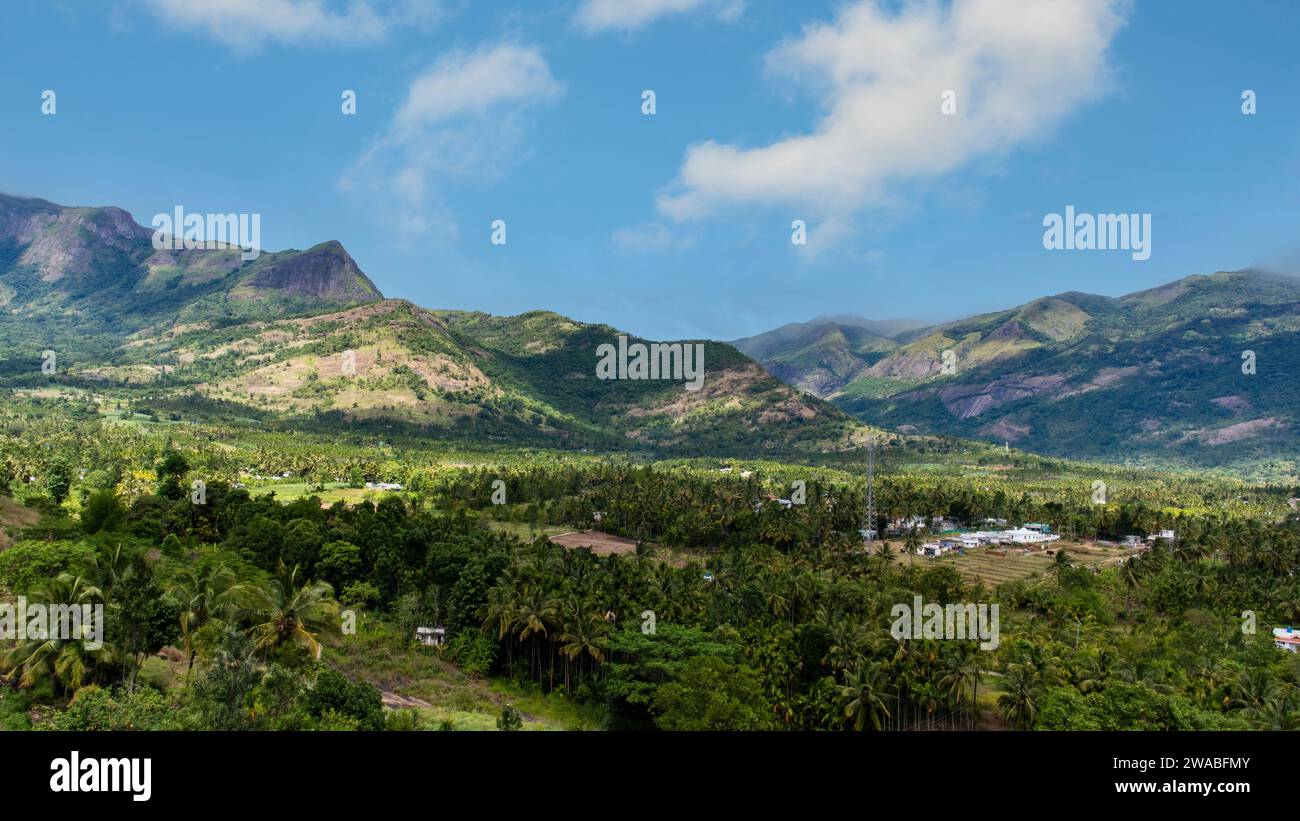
column 376, row 654
column 981, row 564
column 333, row 492
column 525, row 531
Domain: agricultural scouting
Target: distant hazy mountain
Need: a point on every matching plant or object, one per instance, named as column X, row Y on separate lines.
column 1157, row 371
column 822, row 355
column 297, row 335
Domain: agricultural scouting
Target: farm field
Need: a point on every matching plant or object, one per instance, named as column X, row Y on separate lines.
column 602, row 544
column 333, row 492
column 985, row 565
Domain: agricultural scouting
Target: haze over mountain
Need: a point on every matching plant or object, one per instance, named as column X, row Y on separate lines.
column 307, row 334
column 825, row 353
column 1158, row 371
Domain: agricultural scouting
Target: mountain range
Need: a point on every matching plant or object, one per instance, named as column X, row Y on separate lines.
column 1201, row 370
column 305, row 336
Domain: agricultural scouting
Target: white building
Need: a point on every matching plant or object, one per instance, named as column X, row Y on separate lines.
column 1024, row 535
column 1286, row 638
column 430, row 636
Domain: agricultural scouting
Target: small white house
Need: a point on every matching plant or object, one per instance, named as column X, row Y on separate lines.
column 431, row 636
column 1286, row 638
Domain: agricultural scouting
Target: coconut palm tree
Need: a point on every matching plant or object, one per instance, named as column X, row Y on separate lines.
column 863, row 696
column 65, row 656
column 1019, row 702
column 290, row 611
column 1130, row 574
column 206, row 593
column 912, row 542
column 961, row 680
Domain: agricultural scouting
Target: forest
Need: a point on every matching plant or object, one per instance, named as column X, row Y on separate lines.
column 228, row 606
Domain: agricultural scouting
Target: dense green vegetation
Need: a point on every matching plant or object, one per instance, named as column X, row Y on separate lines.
column 734, row 612
column 267, row 478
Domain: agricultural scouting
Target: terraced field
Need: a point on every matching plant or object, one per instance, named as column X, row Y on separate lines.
column 984, row 564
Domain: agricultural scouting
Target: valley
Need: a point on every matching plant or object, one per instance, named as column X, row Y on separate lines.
column 281, row 485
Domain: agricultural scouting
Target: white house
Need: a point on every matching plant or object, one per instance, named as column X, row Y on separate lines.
column 1286, row 638
column 932, row 549
column 1024, row 535
column 431, row 636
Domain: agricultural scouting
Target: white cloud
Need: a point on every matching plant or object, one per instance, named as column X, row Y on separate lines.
column 1017, row 68
column 649, row 236
column 250, row 23
column 462, row 119
column 474, row 83
column 624, row 15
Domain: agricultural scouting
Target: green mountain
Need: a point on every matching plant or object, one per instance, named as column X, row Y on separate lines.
column 85, row 277
column 1154, row 373
column 823, row 355
column 304, row 336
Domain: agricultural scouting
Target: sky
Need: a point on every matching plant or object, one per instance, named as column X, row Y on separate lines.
column 679, row 223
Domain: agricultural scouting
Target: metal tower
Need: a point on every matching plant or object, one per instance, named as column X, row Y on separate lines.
column 871, row 490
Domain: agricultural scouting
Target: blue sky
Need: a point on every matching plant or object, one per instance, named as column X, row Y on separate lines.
column 678, row 224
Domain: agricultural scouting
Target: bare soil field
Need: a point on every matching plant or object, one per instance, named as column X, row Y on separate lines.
column 602, row 544
column 13, row 518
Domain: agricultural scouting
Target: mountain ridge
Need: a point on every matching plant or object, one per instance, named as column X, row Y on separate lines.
column 1156, row 372
column 306, row 336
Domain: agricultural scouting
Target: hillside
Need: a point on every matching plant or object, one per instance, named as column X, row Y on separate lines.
column 526, row 379
column 80, row 279
column 824, row 354
column 298, row 337
column 1156, row 373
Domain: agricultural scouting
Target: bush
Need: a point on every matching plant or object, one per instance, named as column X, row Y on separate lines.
column 402, row 720
column 472, row 651
column 509, row 720
column 94, row 708
column 334, row 693
column 29, row 563
column 102, row 511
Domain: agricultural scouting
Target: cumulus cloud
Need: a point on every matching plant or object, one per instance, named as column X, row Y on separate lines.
column 463, row 118
column 250, row 23
column 625, row 15
column 1017, row 69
